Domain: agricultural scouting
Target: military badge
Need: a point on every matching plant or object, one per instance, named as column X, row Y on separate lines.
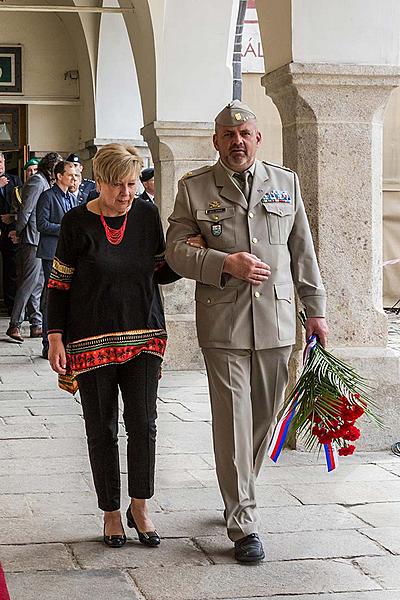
column 216, row 229
column 277, row 196
column 214, row 204
column 238, row 116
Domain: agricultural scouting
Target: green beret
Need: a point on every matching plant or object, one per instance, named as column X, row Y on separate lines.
column 235, row 113
column 31, row 162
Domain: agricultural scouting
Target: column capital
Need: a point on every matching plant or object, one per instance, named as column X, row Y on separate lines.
column 180, row 140
column 327, row 92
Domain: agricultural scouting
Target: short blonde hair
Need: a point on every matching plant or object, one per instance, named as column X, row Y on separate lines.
column 114, row 162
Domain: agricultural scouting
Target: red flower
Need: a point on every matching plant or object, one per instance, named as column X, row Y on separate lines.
column 352, row 434
column 325, row 438
column 347, row 450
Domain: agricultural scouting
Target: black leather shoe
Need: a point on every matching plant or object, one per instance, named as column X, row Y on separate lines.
column 148, row 538
column 114, row 541
column 249, row 549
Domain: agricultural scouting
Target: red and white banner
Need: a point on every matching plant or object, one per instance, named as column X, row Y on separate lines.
column 252, row 52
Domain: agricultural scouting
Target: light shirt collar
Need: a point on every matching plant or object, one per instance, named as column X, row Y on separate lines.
column 150, row 196
column 231, row 173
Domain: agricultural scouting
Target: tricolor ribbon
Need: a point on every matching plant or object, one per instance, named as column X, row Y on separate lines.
column 282, row 428
column 331, row 457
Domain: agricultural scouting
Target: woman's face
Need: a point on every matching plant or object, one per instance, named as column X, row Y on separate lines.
column 116, row 198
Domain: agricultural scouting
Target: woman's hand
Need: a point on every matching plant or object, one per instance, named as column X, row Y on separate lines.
column 196, row 241
column 57, row 356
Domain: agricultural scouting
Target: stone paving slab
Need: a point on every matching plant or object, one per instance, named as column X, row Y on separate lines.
column 38, row 466
column 190, row 462
column 379, row 515
column 318, row 474
column 67, row 482
column 307, row 518
column 385, row 570
column 393, row 467
column 74, row 585
column 224, row 581
column 295, row 546
column 135, row 555
column 388, row 537
column 36, row 557
column 42, row 448
column 12, row 506
column 35, row 430
column 378, row 595
column 347, row 492
column 44, row 529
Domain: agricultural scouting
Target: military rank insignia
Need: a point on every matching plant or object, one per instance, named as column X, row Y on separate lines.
column 277, row 196
column 216, row 229
column 214, row 204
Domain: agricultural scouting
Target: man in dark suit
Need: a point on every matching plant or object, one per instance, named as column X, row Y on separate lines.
column 87, row 185
column 51, row 207
column 147, row 180
column 8, row 250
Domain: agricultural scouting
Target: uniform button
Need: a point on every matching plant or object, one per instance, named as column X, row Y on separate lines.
column 254, row 240
column 208, row 300
column 216, row 218
column 257, row 294
column 251, row 215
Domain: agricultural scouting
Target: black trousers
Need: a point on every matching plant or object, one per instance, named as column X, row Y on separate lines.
column 138, row 381
column 8, row 252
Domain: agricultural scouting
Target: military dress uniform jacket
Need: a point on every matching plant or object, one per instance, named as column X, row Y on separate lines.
column 231, row 313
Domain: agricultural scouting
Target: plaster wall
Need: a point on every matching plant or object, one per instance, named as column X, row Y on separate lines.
column 118, row 104
column 194, row 45
column 47, row 53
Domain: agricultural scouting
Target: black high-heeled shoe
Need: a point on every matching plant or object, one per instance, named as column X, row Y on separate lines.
column 148, row 538
column 114, row 541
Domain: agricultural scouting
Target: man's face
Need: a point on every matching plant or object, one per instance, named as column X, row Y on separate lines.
column 77, row 182
column 237, row 146
column 30, row 171
column 67, row 178
column 149, row 186
column 2, row 165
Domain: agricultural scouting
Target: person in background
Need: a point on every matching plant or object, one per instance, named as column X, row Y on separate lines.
column 52, row 205
column 87, row 185
column 258, row 249
column 30, row 168
column 147, row 180
column 31, row 282
column 74, row 189
column 107, row 331
column 8, row 250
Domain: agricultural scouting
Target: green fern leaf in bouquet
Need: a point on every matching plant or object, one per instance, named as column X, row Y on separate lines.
column 324, row 404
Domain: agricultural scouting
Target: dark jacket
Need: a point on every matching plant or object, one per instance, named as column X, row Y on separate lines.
column 49, row 212
column 26, row 220
column 6, row 196
column 144, row 196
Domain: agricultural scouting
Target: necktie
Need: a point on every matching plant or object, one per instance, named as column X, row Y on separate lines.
column 68, row 202
column 243, row 181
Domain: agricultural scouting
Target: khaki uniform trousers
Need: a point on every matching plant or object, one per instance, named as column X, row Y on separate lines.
column 246, row 389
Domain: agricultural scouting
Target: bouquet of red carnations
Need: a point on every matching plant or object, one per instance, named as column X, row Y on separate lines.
column 324, row 406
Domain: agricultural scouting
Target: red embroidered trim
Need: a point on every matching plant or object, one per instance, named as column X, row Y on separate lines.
column 86, row 361
column 58, row 285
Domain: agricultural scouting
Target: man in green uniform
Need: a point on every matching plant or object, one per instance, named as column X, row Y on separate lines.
column 258, row 251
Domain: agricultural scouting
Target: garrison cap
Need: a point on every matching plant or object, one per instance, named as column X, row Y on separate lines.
column 147, row 174
column 73, row 158
column 31, row 162
column 235, row 113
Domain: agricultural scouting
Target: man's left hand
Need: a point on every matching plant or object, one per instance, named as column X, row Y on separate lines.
column 319, row 327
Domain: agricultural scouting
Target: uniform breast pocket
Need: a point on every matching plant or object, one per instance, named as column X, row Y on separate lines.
column 279, row 222
column 218, row 227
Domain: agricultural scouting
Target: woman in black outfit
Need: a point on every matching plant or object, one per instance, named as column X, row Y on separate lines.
column 107, row 331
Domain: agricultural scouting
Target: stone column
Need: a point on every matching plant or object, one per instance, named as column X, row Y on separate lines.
column 332, row 117
column 176, row 148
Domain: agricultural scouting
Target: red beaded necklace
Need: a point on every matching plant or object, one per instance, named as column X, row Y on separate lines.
column 114, row 236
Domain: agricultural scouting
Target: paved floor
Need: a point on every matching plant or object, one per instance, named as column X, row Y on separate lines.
column 327, row 537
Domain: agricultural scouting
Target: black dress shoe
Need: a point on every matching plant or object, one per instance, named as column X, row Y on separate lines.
column 249, row 549
column 114, row 541
column 148, row 538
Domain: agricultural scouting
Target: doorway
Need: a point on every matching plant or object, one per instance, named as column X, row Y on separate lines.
column 13, row 128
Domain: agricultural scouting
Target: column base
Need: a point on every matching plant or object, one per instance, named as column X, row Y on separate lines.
column 183, row 352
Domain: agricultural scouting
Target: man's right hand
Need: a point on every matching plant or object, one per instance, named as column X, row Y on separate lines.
column 3, row 181
column 248, row 267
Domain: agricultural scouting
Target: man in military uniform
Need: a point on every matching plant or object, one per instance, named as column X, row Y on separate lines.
column 87, row 186
column 258, row 251
column 147, row 179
